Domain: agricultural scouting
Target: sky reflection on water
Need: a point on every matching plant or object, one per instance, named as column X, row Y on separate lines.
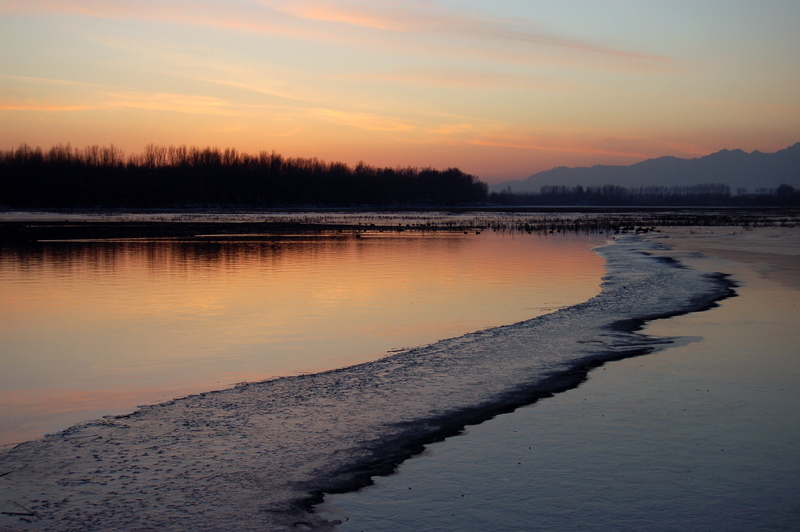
column 89, row 329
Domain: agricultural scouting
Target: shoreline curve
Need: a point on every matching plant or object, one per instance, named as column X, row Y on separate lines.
column 263, row 454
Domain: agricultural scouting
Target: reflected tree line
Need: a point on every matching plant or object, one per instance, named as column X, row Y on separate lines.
column 162, row 257
column 180, row 176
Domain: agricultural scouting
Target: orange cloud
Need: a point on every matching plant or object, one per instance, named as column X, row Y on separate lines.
column 250, row 86
column 102, row 96
column 179, row 103
column 365, row 121
column 366, row 16
column 41, row 107
column 152, row 102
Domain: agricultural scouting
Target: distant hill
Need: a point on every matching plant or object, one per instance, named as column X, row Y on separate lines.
column 735, row 168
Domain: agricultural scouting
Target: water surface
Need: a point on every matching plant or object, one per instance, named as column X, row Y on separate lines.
column 699, row 437
column 259, row 455
column 95, row 328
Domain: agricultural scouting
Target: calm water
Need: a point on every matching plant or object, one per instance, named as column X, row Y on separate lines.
column 698, row 437
column 95, row 328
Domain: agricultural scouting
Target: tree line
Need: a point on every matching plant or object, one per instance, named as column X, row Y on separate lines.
column 181, row 176
column 706, row 194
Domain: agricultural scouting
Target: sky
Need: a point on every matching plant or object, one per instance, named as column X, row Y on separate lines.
column 499, row 89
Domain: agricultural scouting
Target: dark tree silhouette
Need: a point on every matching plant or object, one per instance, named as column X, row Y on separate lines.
column 180, row 176
column 706, row 194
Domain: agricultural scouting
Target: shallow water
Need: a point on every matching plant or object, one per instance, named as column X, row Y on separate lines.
column 699, row 437
column 256, row 457
column 95, row 328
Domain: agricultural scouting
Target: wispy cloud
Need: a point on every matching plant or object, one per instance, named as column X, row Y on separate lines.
column 27, row 93
column 546, row 143
column 587, row 142
column 87, row 96
column 427, row 18
column 33, row 80
column 413, row 26
column 364, row 121
column 453, row 77
column 374, row 15
column 39, row 106
column 239, row 16
column 177, row 103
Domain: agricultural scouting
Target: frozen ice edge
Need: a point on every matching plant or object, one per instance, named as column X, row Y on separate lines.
column 259, row 456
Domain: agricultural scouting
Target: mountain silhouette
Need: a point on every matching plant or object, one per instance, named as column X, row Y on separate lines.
column 735, row 168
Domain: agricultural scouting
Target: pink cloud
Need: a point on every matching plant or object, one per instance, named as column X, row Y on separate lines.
column 464, row 78
column 418, row 26
column 423, row 17
column 588, row 142
column 214, row 13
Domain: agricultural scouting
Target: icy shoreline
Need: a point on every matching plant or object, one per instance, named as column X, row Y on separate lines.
column 260, row 455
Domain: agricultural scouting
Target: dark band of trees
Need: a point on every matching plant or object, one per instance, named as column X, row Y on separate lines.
column 177, row 176
column 708, row 194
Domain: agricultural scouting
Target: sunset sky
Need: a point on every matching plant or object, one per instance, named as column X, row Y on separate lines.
column 500, row 89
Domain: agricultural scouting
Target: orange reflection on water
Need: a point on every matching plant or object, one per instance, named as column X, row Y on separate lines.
column 24, row 413
column 109, row 322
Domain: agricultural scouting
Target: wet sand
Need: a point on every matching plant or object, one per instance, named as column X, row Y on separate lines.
column 704, row 436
